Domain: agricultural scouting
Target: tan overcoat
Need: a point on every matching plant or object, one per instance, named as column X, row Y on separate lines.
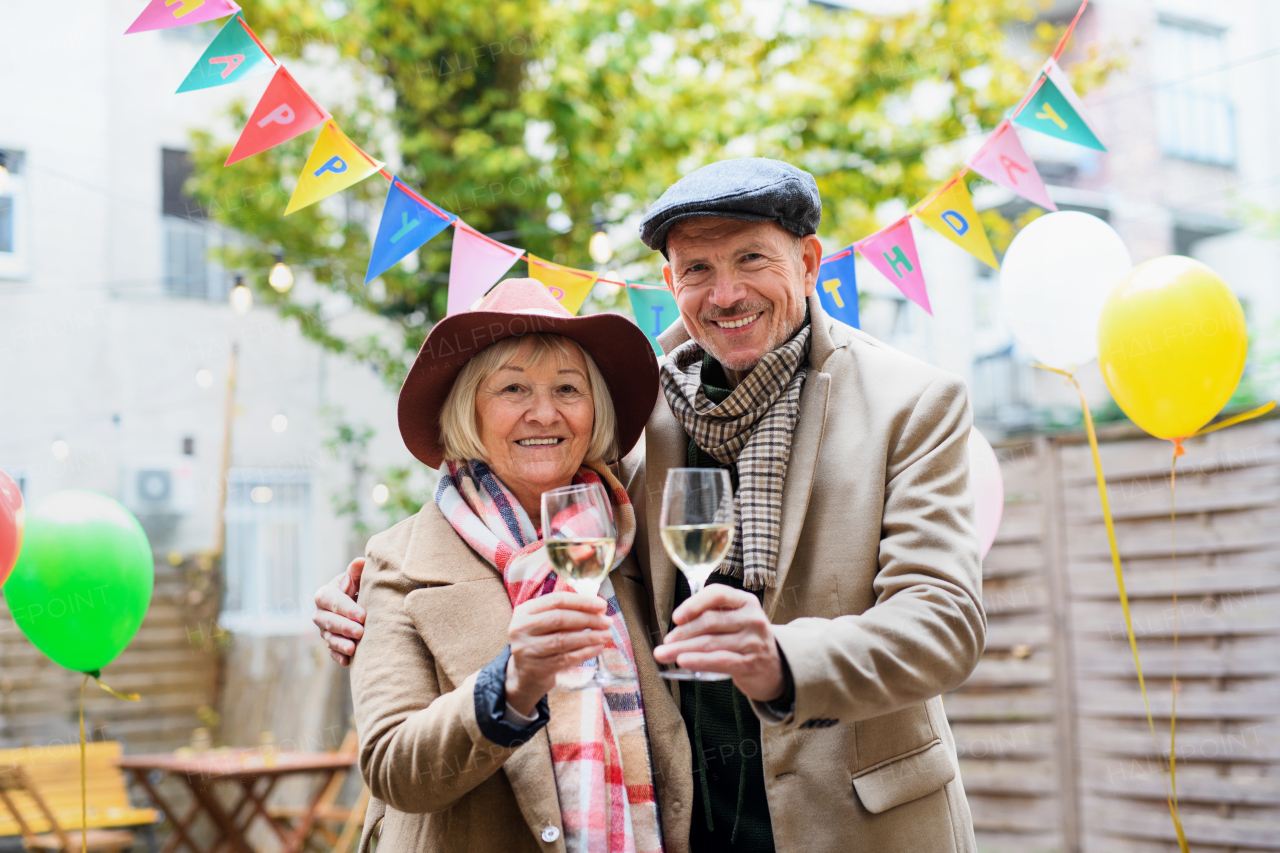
column 437, row 614
column 877, row 604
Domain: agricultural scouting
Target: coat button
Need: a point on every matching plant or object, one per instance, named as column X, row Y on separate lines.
column 550, row 833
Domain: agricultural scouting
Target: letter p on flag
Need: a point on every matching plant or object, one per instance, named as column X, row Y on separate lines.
column 285, row 111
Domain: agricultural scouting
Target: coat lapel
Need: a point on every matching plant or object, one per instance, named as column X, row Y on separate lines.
column 666, row 446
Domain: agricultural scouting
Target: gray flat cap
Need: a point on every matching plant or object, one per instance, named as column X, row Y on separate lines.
column 751, row 188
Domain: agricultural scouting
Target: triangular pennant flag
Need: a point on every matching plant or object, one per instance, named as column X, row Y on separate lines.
column 1049, row 110
column 655, row 310
column 335, row 163
column 162, row 14
column 1002, row 160
column 951, row 213
column 235, row 54
column 408, row 221
column 838, row 287
column 283, row 112
column 476, row 265
column 892, row 251
column 569, row 286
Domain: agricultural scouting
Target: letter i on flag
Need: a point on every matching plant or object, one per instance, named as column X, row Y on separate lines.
column 570, row 287
column 235, row 54
column 476, row 265
column 950, row 212
column 1002, row 160
column 1055, row 109
column 892, row 251
column 838, row 286
column 655, row 310
column 408, row 221
column 162, row 14
column 283, row 112
column 335, row 164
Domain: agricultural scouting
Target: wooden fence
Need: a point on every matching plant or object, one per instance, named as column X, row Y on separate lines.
column 1056, row 753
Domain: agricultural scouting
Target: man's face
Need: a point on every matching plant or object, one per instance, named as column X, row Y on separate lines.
column 740, row 286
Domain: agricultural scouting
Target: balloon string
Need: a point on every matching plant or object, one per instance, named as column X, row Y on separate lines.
column 128, row 697
column 1173, row 561
column 1124, row 596
column 1232, row 421
column 84, row 803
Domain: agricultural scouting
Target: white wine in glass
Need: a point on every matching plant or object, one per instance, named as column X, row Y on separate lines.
column 580, row 538
column 697, row 530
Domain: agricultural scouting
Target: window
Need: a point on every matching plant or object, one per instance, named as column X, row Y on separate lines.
column 269, row 566
column 13, row 218
column 188, row 272
column 1195, row 116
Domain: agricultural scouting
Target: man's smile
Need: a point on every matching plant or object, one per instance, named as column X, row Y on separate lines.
column 739, row 323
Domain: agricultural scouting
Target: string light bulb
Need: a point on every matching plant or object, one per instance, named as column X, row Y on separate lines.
column 4, row 173
column 281, row 277
column 599, row 248
column 381, row 493
column 241, row 297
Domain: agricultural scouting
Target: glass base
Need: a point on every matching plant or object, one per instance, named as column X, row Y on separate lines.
column 689, row 675
column 598, row 681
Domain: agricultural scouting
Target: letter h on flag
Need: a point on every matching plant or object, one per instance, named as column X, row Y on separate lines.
column 892, row 251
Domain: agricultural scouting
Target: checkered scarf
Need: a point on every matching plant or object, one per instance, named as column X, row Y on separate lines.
column 753, row 429
column 599, row 745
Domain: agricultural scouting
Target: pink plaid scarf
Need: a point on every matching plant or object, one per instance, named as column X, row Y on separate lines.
column 599, row 746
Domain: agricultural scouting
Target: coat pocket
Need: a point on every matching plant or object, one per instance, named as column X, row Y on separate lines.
column 904, row 778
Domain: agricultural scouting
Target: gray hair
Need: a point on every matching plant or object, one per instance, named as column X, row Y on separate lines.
column 458, row 427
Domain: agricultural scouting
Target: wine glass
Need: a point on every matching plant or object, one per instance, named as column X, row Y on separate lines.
column 697, row 530
column 580, row 537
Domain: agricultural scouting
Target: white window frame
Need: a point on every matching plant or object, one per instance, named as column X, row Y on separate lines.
column 15, row 265
column 246, row 566
column 1195, row 112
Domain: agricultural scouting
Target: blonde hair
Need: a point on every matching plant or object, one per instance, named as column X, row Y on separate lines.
column 458, row 427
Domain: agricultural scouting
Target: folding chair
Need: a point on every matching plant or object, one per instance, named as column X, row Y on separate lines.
column 14, row 782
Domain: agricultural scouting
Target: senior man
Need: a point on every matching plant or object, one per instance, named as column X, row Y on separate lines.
column 851, row 599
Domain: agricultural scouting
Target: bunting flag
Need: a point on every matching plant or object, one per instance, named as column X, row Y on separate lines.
column 838, row 286
column 1002, row 160
column 892, row 251
column 950, row 212
column 655, row 310
column 570, row 287
column 408, row 221
column 334, row 164
column 476, row 265
column 283, row 112
column 162, row 14
column 1054, row 109
column 235, row 54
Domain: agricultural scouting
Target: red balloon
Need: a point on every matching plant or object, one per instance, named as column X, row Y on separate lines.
column 10, row 525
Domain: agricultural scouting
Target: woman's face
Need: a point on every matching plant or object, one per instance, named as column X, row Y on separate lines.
column 535, row 422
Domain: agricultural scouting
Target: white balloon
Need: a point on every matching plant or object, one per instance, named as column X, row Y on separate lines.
column 1054, row 280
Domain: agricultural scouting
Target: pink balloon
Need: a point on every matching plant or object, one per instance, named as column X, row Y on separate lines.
column 988, row 488
column 11, row 517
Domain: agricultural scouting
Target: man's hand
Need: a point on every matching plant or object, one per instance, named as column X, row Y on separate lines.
column 339, row 618
column 723, row 629
column 550, row 633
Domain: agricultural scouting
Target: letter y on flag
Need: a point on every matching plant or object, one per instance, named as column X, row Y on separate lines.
column 408, row 221
column 1054, row 109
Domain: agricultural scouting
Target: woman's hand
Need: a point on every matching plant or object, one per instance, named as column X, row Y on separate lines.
column 339, row 618
column 548, row 634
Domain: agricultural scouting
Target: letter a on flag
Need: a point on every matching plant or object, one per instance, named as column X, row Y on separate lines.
column 569, row 286
column 655, row 310
column 838, row 286
column 892, row 251
column 1002, row 160
column 476, row 265
column 950, row 212
column 1055, row 109
column 162, row 14
column 283, row 112
column 335, row 164
column 408, row 221
column 235, row 54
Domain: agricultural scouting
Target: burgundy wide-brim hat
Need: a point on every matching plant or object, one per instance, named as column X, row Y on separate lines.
column 523, row 306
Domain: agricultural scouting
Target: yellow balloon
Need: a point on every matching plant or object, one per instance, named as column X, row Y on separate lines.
column 1172, row 344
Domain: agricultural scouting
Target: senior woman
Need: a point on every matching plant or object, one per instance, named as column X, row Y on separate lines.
column 463, row 735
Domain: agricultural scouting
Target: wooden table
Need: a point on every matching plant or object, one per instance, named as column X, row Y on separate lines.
column 255, row 771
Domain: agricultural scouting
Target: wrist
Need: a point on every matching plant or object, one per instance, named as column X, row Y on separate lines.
column 519, row 695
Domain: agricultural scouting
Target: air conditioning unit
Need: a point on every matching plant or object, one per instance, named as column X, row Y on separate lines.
column 159, row 488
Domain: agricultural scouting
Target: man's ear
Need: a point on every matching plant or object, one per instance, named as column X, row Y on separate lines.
column 811, row 257
column 668, row 277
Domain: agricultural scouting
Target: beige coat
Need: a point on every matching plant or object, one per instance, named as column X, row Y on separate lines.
column 437, row 613
column 877, row 603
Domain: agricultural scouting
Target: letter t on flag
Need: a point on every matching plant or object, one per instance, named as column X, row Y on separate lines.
column 838, row 286
column 408, row 221
column 892, row 251
column 476, row 265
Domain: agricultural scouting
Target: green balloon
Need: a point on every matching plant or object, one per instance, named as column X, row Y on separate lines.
column 83, row 581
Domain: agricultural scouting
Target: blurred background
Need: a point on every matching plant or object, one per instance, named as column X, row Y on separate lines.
column 168, row 338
